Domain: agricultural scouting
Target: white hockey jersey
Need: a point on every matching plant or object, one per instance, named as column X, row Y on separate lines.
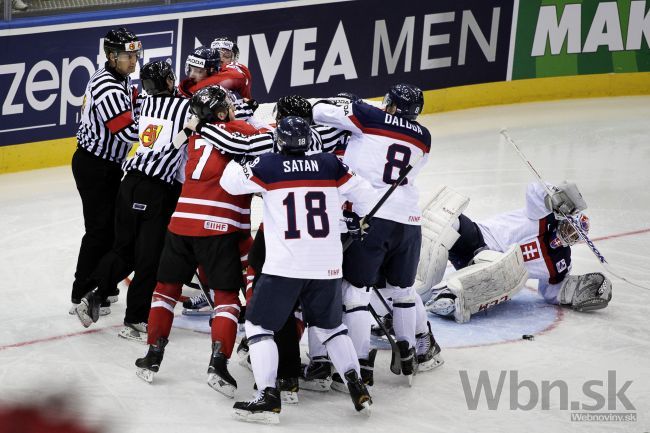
column 302, row 209
column 380, row 146
column 533, row 228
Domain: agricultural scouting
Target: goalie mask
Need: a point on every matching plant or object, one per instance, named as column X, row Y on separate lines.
column 567, row 234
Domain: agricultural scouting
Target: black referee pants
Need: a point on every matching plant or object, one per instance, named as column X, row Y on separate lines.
column 97, row 182
column 144, row 207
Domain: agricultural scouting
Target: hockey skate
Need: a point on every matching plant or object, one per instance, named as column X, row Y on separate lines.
column 134, row 332
column 197, row 306
column 367, row 373
column 88, row 309
column 150, row 364
column 219, row 378
column 317, row 375
column 288, row 390
column 265, row 408
column 427, row 351
column 408, row 360
column 442, row 303
column 242, row 353
column 358, row 392
column 104, row 308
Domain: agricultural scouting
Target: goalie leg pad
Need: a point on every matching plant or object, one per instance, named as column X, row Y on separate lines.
column 438, row 236
column 586, row 292
column 494, row 278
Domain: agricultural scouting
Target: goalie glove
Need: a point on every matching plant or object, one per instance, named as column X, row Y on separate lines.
column 565, row 200
column 357, row 227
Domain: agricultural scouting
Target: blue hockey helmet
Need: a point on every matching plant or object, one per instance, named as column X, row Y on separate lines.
column 407, row 98
column 292, row 136
column 203, row 57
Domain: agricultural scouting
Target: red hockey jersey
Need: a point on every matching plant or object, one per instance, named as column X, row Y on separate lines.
column 204, row 208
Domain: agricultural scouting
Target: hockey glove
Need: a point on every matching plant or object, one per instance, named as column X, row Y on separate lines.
column 566, row 199
column 252, row 104
column 356, row 229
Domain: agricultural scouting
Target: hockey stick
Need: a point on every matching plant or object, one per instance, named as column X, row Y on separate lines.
column 583, row 236
column 206, row 292
column 380, row 203
column 396, row 358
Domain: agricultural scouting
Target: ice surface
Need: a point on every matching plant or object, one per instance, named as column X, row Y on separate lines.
column 602, row 144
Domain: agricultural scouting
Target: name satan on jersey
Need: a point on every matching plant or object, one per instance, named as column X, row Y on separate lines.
column 302, row 209
column 204, row 207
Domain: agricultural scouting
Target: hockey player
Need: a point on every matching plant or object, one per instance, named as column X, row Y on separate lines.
column 496, row 256
column 302, row 207
column 324, row 139
column 145, row 203
column 106, row 132
column 202, row 63
column 382, row 144
column 238, row 76
column 206, row 229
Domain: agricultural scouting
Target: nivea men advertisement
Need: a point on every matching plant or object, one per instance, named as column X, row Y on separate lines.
column 318, row 50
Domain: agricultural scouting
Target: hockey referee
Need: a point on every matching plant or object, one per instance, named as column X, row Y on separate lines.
column 106, row 132
column 145, row 202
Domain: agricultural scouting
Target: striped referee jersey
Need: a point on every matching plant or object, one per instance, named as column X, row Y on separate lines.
column 324, row 139
column 107, row 128
column 161, row 119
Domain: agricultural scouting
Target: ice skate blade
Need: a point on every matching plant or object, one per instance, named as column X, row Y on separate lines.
column 191, row 312
column 221, row 386
column 434, row 362
column 289, row 397
column 259, row 417
column 112, row 299
column 410, row 379
column 145, row 374
column 318, row 385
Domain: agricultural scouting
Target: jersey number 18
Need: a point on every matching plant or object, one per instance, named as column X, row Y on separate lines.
column 316, row 208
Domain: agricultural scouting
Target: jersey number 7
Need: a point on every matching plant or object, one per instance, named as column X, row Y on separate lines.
column 316, row 208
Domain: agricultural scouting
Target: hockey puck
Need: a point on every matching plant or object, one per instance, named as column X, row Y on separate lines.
column 527, row 337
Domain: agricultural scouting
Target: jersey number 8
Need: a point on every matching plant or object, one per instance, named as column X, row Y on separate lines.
column 398, row 156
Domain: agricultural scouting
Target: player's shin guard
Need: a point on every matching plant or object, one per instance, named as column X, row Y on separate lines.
column 264, row 355
column 404, row 314
column 161, row 314
column 357, row 318
column 340, row 348
column 226, row 316
column 421, row 320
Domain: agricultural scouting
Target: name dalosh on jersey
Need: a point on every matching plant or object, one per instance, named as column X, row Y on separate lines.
column 300, row 165
column 150, row 135
column 398, row 121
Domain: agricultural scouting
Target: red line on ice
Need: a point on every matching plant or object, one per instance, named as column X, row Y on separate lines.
column 127, row 280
